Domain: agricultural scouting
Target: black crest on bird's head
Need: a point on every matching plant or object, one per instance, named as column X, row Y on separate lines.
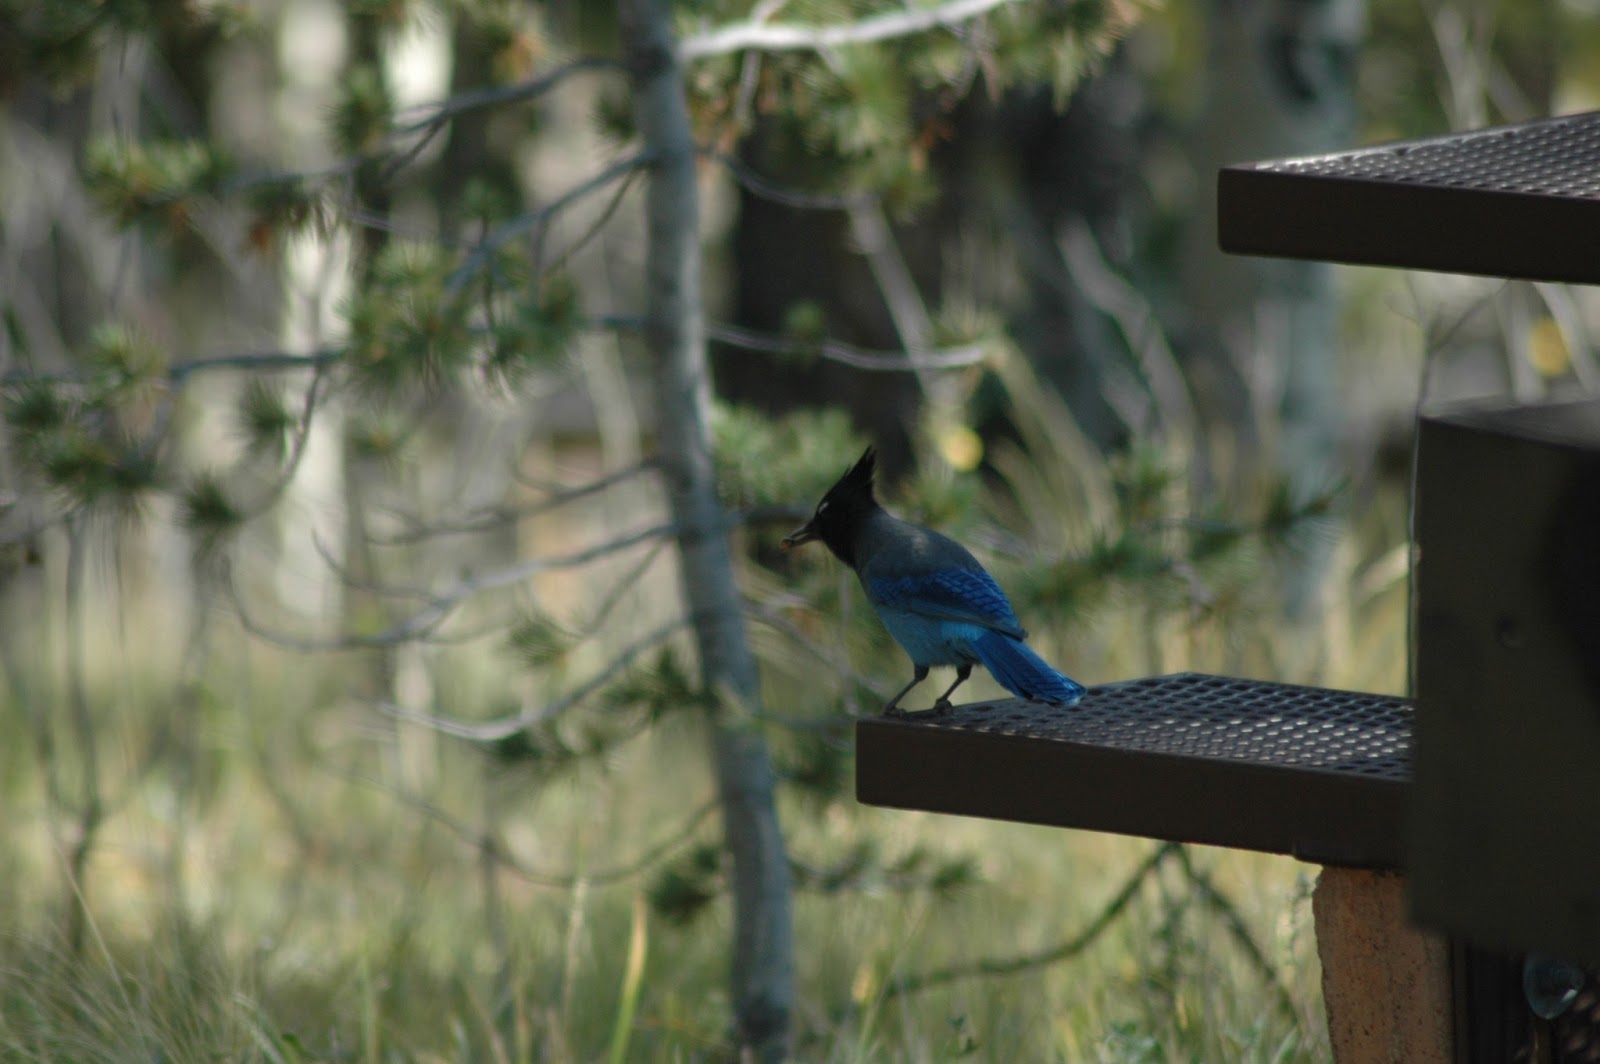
column 839, row 515
column 857, row 480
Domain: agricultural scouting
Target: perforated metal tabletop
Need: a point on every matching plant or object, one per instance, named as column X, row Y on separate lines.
column 1316, row 773
column 1518, row 201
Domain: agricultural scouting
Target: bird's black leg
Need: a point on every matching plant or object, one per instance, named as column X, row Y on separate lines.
column 919, row 673
column 943, row 705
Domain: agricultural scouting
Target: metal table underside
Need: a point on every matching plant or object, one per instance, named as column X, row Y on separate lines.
column 1319, row 774
column 1518, row 201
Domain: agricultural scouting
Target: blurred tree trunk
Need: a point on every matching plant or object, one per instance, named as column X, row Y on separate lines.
column 675, row 334
column 1262, row 337
column 364, row 608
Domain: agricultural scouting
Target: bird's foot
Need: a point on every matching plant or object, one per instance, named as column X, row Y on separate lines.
column 892, row 710
column 943, row 706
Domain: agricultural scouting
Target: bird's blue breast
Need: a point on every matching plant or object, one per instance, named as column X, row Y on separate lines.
column 931, row 642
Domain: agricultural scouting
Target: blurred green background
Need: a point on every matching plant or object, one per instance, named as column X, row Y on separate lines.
column 351, row 705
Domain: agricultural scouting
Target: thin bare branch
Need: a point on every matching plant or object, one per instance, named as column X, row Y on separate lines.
column 505, row 233
column 628, row 581
column 491, row 518
column 1234, row 921
column 433, row 116
column 591, row 627
column 91, row 809
column 179, row 372
column 351, row 581
column 421, row 623
column 255, row 362
column 1055, row 954
column 485, row 841
column 494, row 730
column 597, row 226
column 297, row 446
column 771, row 614
column 795, row 36
column 1136, row 319
column 442, row 604
column 870, row 228
column 775, row 193
column 848, row 354
column 477, row 99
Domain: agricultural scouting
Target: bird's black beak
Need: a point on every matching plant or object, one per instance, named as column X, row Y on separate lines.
column 804, row 534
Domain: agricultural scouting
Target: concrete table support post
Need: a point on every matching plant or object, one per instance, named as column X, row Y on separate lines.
column 1386, row 984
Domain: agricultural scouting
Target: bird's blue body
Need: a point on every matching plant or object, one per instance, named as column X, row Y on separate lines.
column 932, row 595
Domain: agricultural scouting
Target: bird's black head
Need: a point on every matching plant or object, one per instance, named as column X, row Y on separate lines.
column 841, row 511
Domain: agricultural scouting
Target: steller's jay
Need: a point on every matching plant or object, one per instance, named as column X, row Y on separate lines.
column 931, row 593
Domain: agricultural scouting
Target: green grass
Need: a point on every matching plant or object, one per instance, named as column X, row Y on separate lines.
column 371, row 939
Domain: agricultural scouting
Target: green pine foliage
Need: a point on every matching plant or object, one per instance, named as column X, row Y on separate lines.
column 79, row 438
column 282, row 207
column 379, row 436
column 411, row 327
column 63, row 44
column 536, row 332
column 538, row 642
column 786, row 461
column 209, row 512
column 662, row 687
column 867, row 118
column 686, row 888
column 154, row 182
column 266, row 424
column 97, row 475
column 33, row 408
column 364, row 113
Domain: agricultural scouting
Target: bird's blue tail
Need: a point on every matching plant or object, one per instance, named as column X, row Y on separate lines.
column 1024, row 673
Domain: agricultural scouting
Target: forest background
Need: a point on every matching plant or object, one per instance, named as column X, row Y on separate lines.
column 402, row 402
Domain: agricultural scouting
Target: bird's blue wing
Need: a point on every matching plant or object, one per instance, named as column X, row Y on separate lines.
column 968, row 595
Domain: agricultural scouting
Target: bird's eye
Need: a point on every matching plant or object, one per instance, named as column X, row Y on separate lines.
column 821, row 506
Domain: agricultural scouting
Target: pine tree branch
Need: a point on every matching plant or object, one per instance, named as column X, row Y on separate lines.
column 768, row 36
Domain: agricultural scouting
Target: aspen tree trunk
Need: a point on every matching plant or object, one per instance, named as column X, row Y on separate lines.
column 675, row 334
